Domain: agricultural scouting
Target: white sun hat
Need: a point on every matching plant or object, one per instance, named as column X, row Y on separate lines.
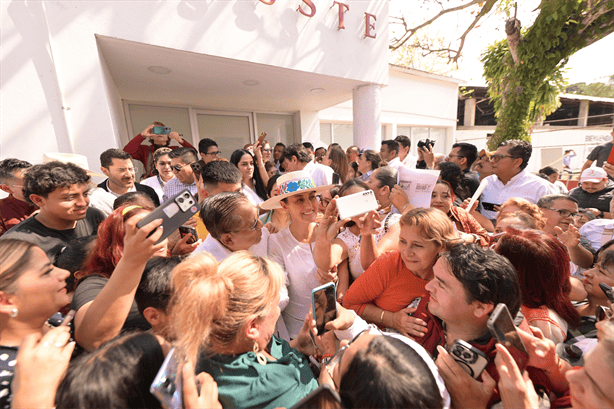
column 293, row 183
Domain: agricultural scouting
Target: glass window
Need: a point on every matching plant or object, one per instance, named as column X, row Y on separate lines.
column 178, row 119
column 230, row 132
column 326, row 133
column 439, row 135
column 343, row 134
column 279, row 128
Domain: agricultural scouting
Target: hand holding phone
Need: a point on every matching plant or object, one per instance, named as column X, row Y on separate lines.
column 166, row 386
column 261, row 137
column 324, row 304
column 502, row 328
column 174, row 212
column 356, row 204
column 472, row 360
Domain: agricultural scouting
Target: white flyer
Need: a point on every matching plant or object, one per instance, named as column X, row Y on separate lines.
column 418, row 184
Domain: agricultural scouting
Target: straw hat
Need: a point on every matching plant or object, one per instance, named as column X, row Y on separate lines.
column 290, row 184
column 75, row 158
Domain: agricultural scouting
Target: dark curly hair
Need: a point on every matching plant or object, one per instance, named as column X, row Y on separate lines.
column 44, row 179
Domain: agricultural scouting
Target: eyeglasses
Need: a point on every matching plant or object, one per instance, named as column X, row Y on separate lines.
column 266, row 150
column 564, row 213
column 455, row 156
column 497, row 157
column 216, row 153
column 178, row 168
column 323, row 200
column 254, row 226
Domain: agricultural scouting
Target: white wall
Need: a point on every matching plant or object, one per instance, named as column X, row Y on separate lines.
column 51, row 60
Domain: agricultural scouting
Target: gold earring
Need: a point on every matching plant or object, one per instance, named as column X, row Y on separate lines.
column 259, row 355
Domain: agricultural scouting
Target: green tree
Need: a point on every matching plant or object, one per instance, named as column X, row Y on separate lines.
column 524, row 71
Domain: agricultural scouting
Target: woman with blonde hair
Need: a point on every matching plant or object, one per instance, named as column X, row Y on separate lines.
column 382, row 294
column 224, row 319
column 517, row 204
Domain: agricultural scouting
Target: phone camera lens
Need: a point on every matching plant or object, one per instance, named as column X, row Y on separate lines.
column 186, row 195
column 180, row 199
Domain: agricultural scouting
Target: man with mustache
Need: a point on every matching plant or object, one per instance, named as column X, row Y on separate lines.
column 118, row 168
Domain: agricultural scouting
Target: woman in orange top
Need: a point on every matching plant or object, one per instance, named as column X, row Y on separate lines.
column 383, row 292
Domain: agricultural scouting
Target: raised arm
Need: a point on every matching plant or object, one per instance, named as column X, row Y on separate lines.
column 369, row 250
column 328, row 251
column 103, row 318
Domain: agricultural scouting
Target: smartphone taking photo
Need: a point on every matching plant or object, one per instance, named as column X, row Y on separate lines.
column 502, row 328
column 174, row 212
column 324, row 303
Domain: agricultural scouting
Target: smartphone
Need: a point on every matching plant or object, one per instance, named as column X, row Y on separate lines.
column 336, row 179
column 324, row 303
column 166, row 386
column 185, row 230
column 603, row 313
column 607, row 290
column 471, row 359
column 161, row 130
column 356, row 204
column 502, row 328
column 197, row 167
column 414, row 304
column 261, row 137
column 174, row 212
column 322, row 397
column 489, row 206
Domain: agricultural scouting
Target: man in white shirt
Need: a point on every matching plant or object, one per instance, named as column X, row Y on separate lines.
column 510, row 178
column 296, row 157
column 407, row 158
column 389, row 151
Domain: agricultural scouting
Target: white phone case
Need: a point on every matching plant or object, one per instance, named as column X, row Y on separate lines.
column 356, row 204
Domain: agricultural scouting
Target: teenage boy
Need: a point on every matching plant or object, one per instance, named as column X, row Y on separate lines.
column 61, row 192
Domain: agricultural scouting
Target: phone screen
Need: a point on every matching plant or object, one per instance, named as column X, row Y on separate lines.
column 324, row 302
column 502, row 328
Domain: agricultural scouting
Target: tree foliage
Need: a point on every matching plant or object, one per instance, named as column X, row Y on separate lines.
column 595, row 89
column 526, row 72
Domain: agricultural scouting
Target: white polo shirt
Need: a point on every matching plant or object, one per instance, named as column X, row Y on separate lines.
column 524, row 185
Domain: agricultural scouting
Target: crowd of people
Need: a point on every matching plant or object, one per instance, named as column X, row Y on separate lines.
column 92, row 301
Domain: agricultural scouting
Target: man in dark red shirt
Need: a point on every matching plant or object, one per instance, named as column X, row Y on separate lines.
column 144, row 153
column 14, row 208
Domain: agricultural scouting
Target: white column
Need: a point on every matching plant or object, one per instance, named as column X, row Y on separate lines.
column 469, row 112
column 583, row 114
column 367, row 109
